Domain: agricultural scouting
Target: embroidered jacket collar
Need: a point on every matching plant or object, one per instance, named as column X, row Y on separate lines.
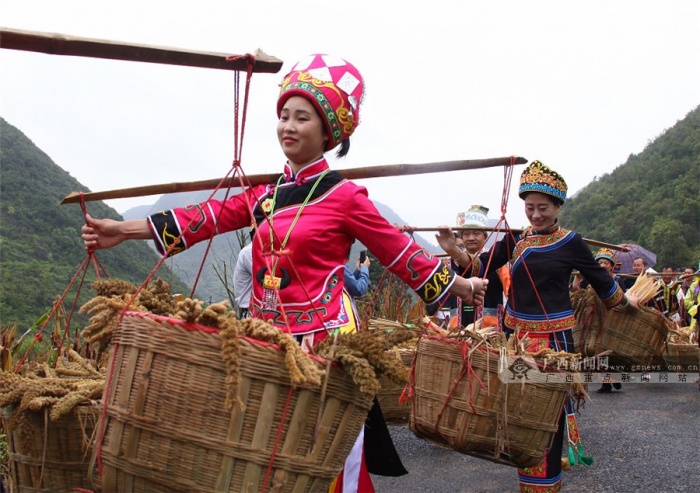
column 552, row 229
column 309, row 172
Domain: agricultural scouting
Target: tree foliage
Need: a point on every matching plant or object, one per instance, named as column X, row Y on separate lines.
column 40, row 245
column 653, row 199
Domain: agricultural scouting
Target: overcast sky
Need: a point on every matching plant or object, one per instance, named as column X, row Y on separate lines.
column 577, row 85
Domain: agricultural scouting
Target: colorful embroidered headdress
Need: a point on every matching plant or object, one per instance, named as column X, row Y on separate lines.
column 607, row 254
column 476, row 216
column 539, row 178
column 334, row 86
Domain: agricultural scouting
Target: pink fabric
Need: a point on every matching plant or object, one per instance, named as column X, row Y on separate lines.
column 316, row 251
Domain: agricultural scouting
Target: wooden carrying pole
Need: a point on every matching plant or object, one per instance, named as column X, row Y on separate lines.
column 679, row 275
column 61, row 44
column 350, row 174
column 596, row 243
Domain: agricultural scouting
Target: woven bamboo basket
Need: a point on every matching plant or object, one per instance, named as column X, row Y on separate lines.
column 459, row 401
column 681, row 357
column 633, row 339
column 166, row 427
column 395, row 412
column 52, row 456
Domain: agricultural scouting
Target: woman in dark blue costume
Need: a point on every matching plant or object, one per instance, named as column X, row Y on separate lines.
column 543, row 257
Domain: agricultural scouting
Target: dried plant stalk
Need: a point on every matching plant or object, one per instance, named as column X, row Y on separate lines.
column 645, row 288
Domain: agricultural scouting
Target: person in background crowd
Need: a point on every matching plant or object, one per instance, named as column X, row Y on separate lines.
column 640, row 266
column 447, row 314
column 692, row 303
column 671, row 289
column 453, row 304
column 243, row 280
column 607, row 259
column 357, row 281
column 304, row 230
column 543, row 257
column 473, row 235
column 686, row 280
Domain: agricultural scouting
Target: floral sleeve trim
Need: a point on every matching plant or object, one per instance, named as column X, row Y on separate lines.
column 166, row 231
column 617, row 297
column 437, row 285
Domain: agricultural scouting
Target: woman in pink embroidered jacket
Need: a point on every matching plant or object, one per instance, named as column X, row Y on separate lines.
column 306, row 220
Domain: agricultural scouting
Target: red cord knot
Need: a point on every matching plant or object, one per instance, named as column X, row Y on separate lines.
column 236, row 164
column 83, row 207
column 234, row 58
column 285, row 252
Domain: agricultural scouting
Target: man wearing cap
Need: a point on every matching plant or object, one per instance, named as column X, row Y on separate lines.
column 473, row 232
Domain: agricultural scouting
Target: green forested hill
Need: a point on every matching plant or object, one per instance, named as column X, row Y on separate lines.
column 40, row 245
column 653, row 199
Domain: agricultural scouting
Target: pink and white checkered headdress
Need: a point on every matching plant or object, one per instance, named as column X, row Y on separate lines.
column 334, row 86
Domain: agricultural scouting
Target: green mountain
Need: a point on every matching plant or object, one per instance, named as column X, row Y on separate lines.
column 213, row 275
column 653, row 199
column 40, row 245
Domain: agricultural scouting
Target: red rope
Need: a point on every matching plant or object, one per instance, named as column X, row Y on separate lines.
column 502, row 225
column 466, row 370
column 39, row 335
column 278, row 438
column 239, row 122
column 66, row 332
column 244, row 183
column 90, row 258
column 235, row 167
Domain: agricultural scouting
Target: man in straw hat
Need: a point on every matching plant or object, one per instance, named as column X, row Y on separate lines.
column 473, row 234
